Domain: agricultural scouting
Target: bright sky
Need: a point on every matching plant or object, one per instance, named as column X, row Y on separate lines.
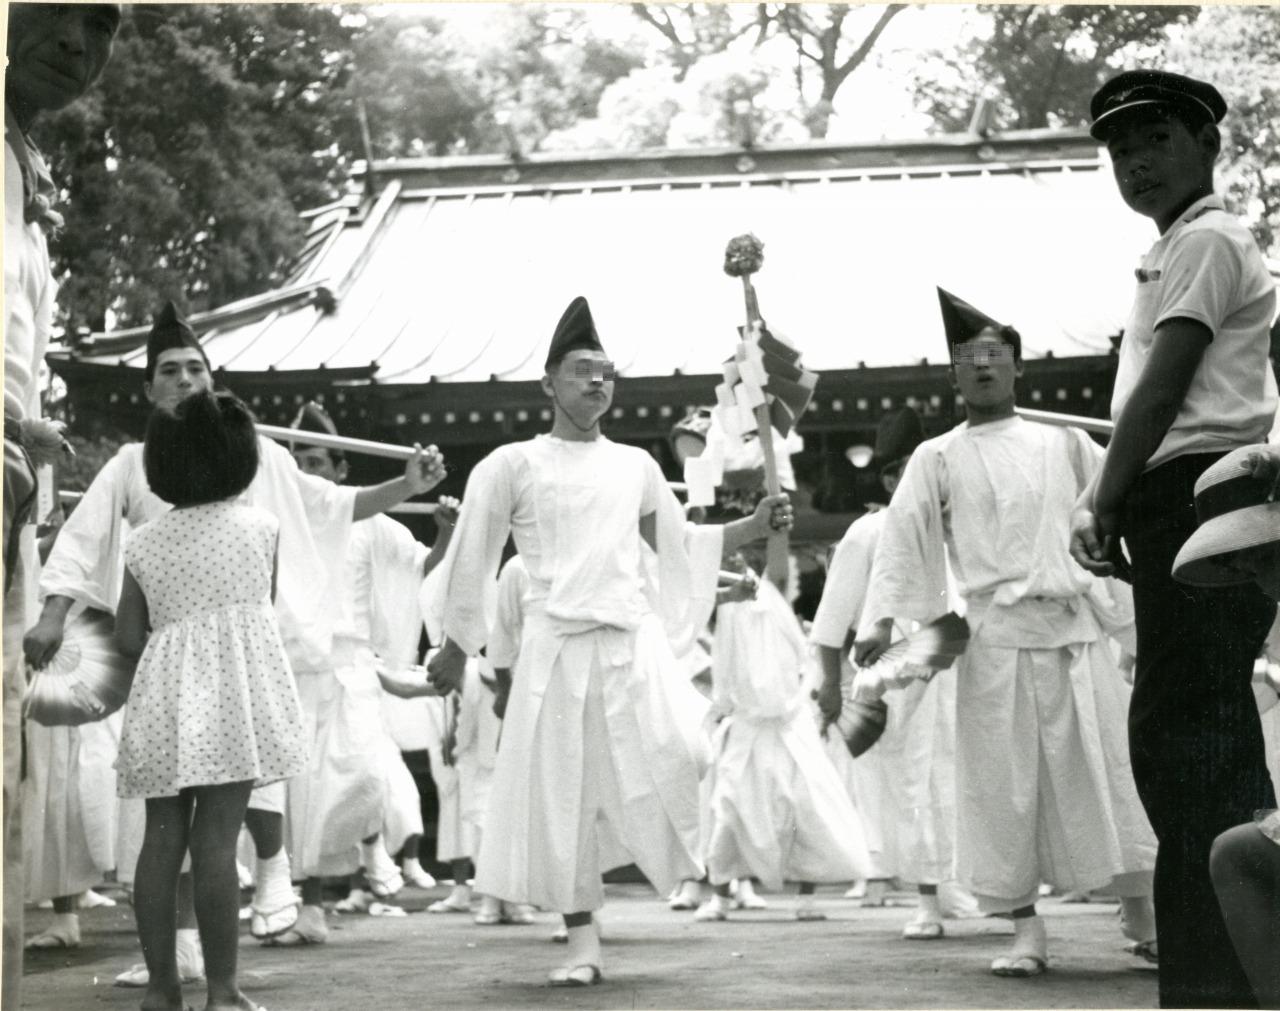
column 880, row 106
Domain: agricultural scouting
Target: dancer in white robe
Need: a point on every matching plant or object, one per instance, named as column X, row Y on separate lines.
column 378, row 623
column 916, row 752
column 778, row 809
column 1044, row 788
column 84, row 569
column 593, row 771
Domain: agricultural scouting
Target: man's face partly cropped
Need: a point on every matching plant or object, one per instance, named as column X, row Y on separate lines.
column 57, row 51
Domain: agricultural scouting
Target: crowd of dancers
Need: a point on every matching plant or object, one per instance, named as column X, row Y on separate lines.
column 612, row 683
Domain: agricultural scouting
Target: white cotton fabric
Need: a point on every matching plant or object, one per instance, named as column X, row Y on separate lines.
column 1207, row 268
column 599, row 758
column 29, row 293
column 1044, row 788
column 779, row 811
column 905, row 785
column 213, row 699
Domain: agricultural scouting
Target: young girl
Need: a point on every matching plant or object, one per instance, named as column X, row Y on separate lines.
column 779, row 810
column 214, row 709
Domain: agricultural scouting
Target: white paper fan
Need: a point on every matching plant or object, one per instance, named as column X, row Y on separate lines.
column 87, row 679
column 915, row 657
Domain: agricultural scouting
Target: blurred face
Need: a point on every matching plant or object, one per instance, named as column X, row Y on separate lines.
column 1161, row 167
column 582, row 385
column 179, row 373
column 56, row 53
column 316, row 461
column 984, row 371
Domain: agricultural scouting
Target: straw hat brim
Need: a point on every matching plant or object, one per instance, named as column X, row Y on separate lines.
column 1202, row 559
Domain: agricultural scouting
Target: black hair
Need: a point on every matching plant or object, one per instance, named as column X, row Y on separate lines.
column 1008, row 335
column 204, row 449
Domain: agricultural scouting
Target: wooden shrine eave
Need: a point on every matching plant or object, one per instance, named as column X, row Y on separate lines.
column 1022, row 149
column 286, row 299
column 82, row 374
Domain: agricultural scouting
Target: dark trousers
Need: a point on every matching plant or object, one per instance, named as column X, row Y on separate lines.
column 1195, row 739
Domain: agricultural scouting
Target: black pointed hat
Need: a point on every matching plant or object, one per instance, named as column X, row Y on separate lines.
column 961, row 321
column 169, row 330
column 311, row 417
column 576, row 331
column 897, row 437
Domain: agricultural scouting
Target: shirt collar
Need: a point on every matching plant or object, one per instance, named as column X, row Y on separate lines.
column 39, row 193
column 1212, row 202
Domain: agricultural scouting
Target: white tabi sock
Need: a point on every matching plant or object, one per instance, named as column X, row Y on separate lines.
column 273, row 889
column 930, row 907
column 584, row 946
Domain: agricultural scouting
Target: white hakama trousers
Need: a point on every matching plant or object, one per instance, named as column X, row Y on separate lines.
column 779, row 809
column 598, row 767
column 1044, row 788
column 917, row 752
column 402, row 804
column 70, row 806
column 338, row 800
column 453, row 841
column 465, row 786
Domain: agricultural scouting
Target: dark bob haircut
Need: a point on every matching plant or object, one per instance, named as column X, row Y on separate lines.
column 202, row 450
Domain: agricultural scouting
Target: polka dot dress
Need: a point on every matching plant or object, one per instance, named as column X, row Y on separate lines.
column 213, row 700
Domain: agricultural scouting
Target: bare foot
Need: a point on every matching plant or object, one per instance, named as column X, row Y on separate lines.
column 164, row 1000
column 241, row 1003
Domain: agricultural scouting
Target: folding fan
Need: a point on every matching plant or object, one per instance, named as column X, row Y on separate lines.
column 87, row 679
column 917, row 656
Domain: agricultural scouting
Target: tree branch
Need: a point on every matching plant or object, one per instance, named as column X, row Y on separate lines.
column 666, row 26
column 860, row 54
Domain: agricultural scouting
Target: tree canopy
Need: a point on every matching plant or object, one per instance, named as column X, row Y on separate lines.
column 215, row 124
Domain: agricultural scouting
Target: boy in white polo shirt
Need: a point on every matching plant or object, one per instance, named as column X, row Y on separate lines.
column 1193, row 383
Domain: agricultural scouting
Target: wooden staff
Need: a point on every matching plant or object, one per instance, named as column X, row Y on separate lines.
column 387, row 450
column 1098, row 426
column 742, row 258
column 339, row 442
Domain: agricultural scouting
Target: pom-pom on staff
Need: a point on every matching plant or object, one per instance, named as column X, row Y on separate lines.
column 765, row 386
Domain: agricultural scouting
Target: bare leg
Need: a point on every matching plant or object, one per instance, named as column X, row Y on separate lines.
column 155, row 899
column 267, row 830
column 1245, row 866
column 219, row 813
column 312, row 891
column 186, row 903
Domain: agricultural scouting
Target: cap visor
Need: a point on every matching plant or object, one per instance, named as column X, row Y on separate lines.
column 1101, row 127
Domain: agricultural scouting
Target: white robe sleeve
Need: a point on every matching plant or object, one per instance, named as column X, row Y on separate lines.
column 909, row 575
column 688, row 563
column 87, row 560
column 845, row 590
column 465, row 591
column 397, row 563
column 504, row 638
column 1110, row 599
column 315, row 525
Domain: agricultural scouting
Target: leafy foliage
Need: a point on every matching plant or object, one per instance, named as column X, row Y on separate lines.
column 185, row 168
column 1236, row 47
column 1041, row 63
